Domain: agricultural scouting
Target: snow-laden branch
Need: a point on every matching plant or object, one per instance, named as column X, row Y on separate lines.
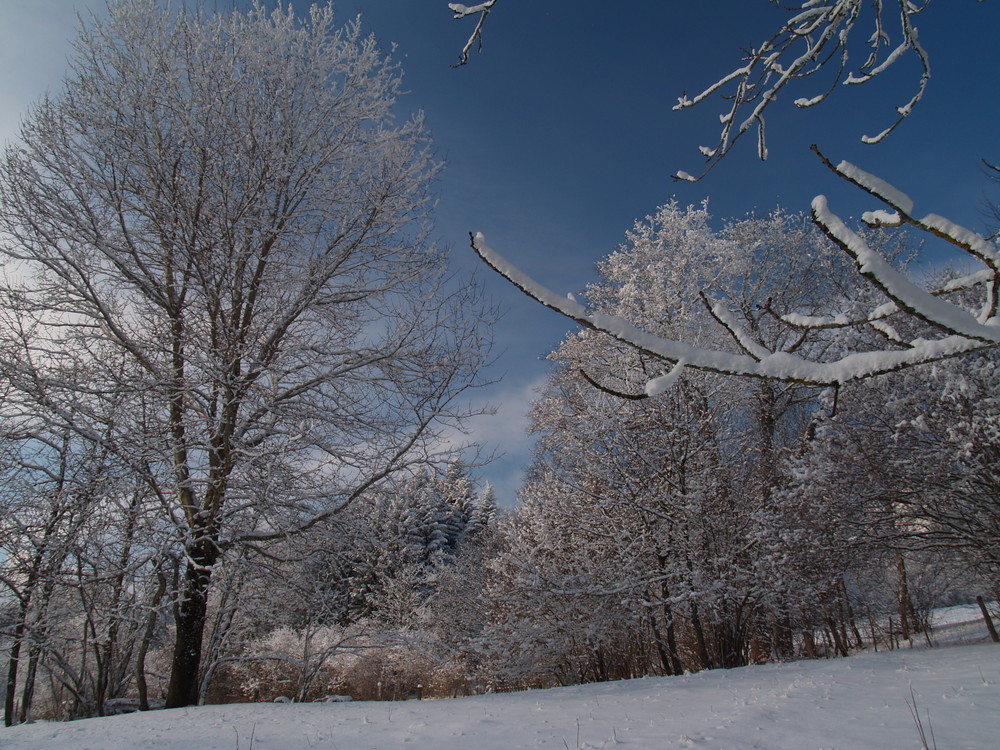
column 907, row 295
column 461, row 11
column 815, row 37
column 943, row 314
column 960, row 331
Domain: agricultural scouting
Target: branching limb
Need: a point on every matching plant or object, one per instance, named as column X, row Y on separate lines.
column 612, row 391
column 831, row 322
column 461, row 11
column 815, row 37
column 906, row 295
column 782, row 366
column 724, row 317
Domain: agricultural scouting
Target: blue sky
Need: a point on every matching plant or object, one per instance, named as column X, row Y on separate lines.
column 560, row 134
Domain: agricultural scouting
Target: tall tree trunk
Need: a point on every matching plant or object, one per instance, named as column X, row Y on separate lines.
column 147, row 636
column 989, row 620
column 666, row 642
column 12, row 663
column 835, row 633
column 26, row 600
column 39, row 631
column 809, row 643
column 675, row 658
column 658, row 641
column 667, row 613
column 851, row 620
column 190, row 616
column 699, row 634
column 28, row 693
column 781, row 636
column 107, row 653
column 905, row 603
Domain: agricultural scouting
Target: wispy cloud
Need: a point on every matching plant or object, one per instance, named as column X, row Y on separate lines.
column 503, row 434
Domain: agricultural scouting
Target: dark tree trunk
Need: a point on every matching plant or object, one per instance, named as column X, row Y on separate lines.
column 661, row 650
column 12, row 664
column 699, row 634
column 28, row 694
column 667, row 646
column 675, row 658
column 190, row 617
column 809, row 644
column 989, row 620
column 852, row 621
column 781, row 636
column 905, row 603
column 36, row 633
column 836, row 635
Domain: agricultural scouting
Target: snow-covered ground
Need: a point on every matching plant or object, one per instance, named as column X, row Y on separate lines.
column 861, row 702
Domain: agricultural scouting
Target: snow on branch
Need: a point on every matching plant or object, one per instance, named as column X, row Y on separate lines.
column 815, row 37
column 461, row 11
column 959, row 330
column 724, row 317
column 909, row 297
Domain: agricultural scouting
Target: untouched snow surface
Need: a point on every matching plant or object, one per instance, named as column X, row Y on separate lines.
column 858, row 702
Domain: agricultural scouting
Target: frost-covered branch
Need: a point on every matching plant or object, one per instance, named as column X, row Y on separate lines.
column 815, row 37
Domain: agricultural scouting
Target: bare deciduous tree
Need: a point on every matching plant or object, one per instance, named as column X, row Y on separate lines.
column 219, row 225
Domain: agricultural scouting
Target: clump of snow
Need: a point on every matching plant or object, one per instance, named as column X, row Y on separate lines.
column 663, row 383
column 881, row 218
column 803, row 102
column 877, row 186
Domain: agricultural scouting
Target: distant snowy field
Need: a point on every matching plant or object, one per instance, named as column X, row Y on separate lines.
column 859, row 702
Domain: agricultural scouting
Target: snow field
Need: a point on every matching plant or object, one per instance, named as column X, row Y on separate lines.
column 858, row 702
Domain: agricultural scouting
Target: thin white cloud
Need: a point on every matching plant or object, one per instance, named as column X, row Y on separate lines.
column 503, row 433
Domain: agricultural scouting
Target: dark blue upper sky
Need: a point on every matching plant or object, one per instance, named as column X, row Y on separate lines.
column 560, row 133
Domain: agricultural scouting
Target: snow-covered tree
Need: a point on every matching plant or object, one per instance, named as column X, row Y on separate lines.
column 652, row 520
column 913, row 460
column 219, row 221
column 82, row 550
column 44, row 512
column 408, row 534
column 559, row 603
